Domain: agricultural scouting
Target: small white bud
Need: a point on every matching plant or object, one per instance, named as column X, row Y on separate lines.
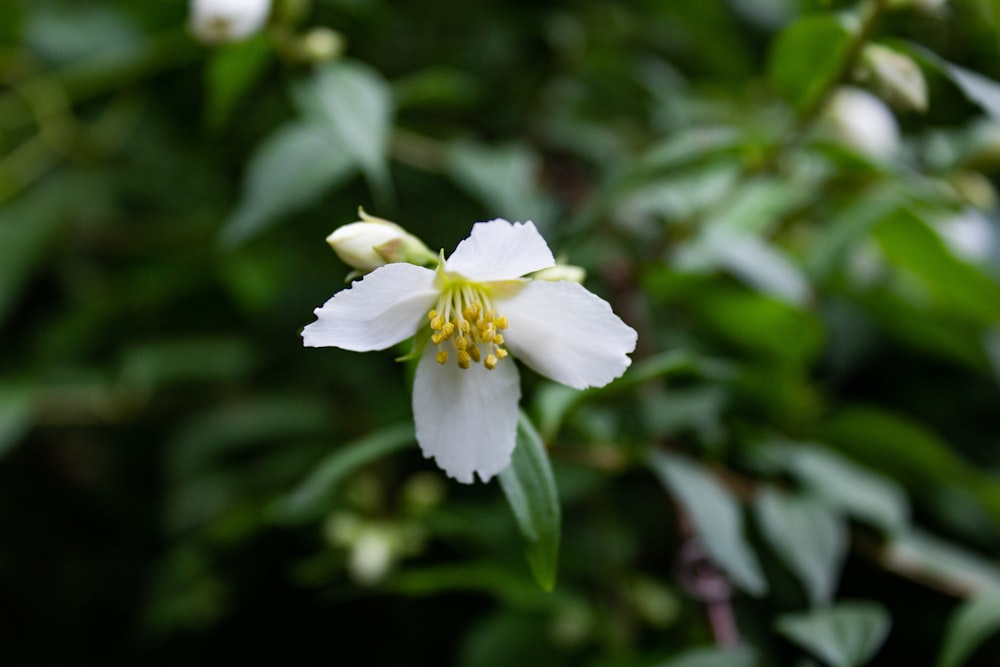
column 372, row 556
column 895, row 76
column 970, row 235
column 373, row 242
column 863, row 122
column 221, row 21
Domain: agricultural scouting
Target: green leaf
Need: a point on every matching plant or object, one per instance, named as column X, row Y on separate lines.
column 914, row 455
column 806, row 55
column 810, row 538
column 908, row 242
column 717, row 517
column 758, row 263
column 844, row 485
column 312, row 497
column 354, row 103
column 845, row 635
column 980, row 90
column 741, row 656
column 969, row 626
column 288, row 171
column 17, row 412
column 231, row 71
column 505, row 178
column 531, row 491
column 28, row 225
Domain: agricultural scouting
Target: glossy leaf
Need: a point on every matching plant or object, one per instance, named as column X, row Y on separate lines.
column 530, row 488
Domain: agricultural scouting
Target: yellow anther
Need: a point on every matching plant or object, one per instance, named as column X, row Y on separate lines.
column 464, row 316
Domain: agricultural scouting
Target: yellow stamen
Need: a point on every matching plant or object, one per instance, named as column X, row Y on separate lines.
column 465, row 315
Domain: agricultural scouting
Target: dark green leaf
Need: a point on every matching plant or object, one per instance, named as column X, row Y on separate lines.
column 17, row 411
column 806, row 55
column 910, row 244
column 231, row 71
column 530, row 488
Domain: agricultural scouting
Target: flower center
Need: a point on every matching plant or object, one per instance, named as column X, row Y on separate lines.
column 464, row 319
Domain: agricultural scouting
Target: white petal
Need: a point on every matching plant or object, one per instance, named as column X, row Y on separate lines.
column 466, row 419
column 499, row 250
column 567, row 333
column 377, row 312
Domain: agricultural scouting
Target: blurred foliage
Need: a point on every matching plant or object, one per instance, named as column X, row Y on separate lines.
column 802, row 466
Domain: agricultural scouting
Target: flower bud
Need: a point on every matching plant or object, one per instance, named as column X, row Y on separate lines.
column 970, row 235
column 221, row 21
column 863, row 122
column 895, row 76
column 373, row 242
column 319, row 45
column 567, row 272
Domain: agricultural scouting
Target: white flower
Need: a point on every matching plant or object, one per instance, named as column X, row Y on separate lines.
column 476, row 306
column 863, row 122
column 218, row 21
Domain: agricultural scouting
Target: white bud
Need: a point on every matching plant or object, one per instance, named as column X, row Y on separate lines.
column 371, row 556
column 863, row 122
column 373, row 242
column 220, row 21
column 567, row 272
column 970, row 235
column 895, row 76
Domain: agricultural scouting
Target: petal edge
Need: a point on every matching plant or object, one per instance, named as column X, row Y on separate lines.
column 382, row 309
